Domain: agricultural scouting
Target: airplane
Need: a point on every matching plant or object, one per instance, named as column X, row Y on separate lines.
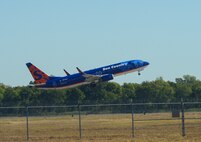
column 102, row 74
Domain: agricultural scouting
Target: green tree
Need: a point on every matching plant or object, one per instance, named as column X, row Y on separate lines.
column 52, row 97
column 143, row 92
column 74, row 96
column 196, row 92
column 128, row 92
column 183, row 91
column 2, row 90
column 185, row 87
column 94, row 94
column 11, row 97
column 155, row 91
column 112, row 92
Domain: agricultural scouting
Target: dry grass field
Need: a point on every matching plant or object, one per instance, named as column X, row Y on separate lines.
column 101, row 128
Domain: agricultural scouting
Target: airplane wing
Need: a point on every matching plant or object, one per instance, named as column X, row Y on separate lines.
column 95, row 78
column 90, row 77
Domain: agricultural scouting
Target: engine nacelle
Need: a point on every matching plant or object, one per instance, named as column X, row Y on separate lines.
column 107, row 77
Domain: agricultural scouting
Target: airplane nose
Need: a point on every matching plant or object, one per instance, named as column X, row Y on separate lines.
column 146, row 63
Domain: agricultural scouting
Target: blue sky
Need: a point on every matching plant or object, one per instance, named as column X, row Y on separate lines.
column 57, row 34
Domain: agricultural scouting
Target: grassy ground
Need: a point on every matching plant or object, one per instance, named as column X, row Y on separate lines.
column 101, row 128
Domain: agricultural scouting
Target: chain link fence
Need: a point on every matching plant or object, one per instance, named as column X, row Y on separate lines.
column 107, row 121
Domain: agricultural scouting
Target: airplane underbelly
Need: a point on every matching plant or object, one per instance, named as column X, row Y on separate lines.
column 128, row 71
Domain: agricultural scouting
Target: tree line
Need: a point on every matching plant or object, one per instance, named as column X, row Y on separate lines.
column 188, row 88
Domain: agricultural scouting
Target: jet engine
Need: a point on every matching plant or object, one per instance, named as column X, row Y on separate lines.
column 107, row 77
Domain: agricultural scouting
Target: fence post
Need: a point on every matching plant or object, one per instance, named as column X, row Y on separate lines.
column 132, row 120
column 183, row 118
column 27, row 121
column 80, row 125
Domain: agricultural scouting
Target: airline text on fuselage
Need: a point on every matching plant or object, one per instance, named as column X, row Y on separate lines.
column 114, row 66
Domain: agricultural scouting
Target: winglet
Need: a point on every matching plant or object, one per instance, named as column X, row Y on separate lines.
column 81, row 72
column 66, row 72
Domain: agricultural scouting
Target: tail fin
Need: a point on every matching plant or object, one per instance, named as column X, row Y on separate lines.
column 38, row 75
